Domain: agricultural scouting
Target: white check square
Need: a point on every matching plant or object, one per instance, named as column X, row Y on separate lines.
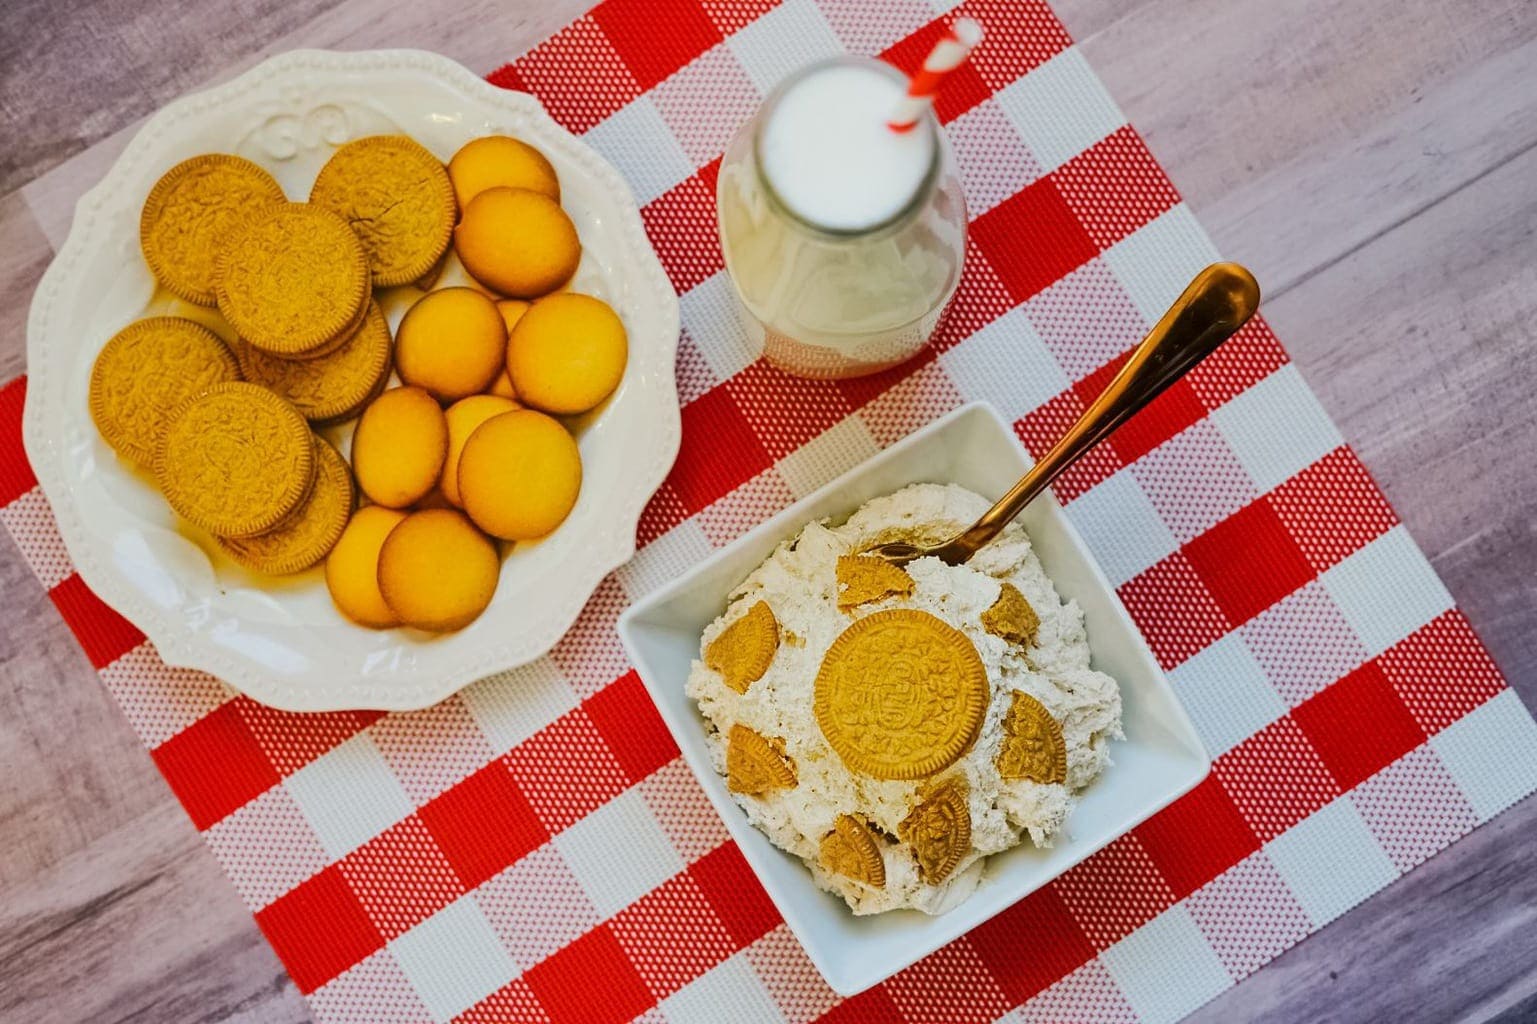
column 639, row 143
column 619, row 853
column 1061, row 109
column 1006, row 363
column 454, row 959
column 1156, row 262
column 1166, row 968
column 1492, row 753
column 348, row 795
column 1277, row 428
column 511, row 706
column 788, row 37
column 1387, row 590
column 729, row 991
column 1227, row 693
column 1331, row 861
column 1122, row 528
column 839, row 448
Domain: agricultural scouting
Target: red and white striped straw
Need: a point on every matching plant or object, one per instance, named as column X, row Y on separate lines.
column 948, row 54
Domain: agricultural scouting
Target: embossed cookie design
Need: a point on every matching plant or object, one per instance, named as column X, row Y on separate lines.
column 190, row 213
column 335, row 386
column 756, row 765
column 852, row 850
column 145, row 372
column 900, row 695
column 865, row 578
column 1011, row 617
column 293, row 281
column 1033, row 747
column 939, row 830
column 744, row 650
column 236, row 460
column 308, row 535
column 398, row 199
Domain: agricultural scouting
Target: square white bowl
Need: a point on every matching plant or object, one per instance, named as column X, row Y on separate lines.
column 1161, row 758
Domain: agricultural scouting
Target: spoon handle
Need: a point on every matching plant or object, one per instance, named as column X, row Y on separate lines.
column 1211, row 309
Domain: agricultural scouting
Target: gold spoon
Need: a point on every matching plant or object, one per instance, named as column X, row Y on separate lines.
column 1211, row 309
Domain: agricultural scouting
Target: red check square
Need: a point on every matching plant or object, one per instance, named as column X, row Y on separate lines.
column 735, row 894
column 401, row 877
column 1033, row 944
column 1044, row 426
column 681, row 225
column 964, row 87
column 1275, row 778
column 1032, row 239
column 630, row 725
column 292, row 740
column 720, row 450
column 104, row 635
column 1197, row 837
column 926, row 990
column 16, row 476
column 785, row 411
column 632, row 26
column 872, row 1006
column 215, row 765
column 483, row 824
column 578, row 75
column 1359, row 725
column 1249, row 561
column 1174, row 610
column 1333, row 509
column 1115, row 892
column 1115, row 186
column 319, row 929
column 1021, row 35
column 980, row 298
column 671, row 935
column 566, row 771
column 591, row 981
column 1441, row 671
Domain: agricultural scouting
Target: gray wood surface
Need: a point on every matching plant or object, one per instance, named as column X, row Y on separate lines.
column 1375, row 163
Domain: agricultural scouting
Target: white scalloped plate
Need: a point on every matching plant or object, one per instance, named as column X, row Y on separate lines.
column 281, row 641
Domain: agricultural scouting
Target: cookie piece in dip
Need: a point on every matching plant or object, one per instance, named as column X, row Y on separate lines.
column 933, row 714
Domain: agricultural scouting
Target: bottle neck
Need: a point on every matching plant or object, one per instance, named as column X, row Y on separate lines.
column 826, row 160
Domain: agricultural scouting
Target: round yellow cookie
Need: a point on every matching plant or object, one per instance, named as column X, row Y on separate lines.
column 293, row 280
column 567, row 353
column 236, row 460
column 144, row 372
column 901, row 694
column 464, row 416
column 332, row 387
column 436, row 571
column 399, row 446
column 519, row 475
column 305, row 537
column 517, row 242
column 190, row 212
column 451, row 343
column 498, row 161
column 398, row 199
column 352, row 567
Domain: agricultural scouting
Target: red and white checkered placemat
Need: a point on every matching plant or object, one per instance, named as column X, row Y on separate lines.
column 535, row 849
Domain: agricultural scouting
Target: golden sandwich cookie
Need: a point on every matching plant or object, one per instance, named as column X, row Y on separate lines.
column 190, row 212
column 236, row 460
column 294, row 281
column 398, row 198
column 332, row 387
column 308, row 535
column 145, row 372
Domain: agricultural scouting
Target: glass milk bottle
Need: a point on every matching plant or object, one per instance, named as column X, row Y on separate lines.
column 844, row 239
